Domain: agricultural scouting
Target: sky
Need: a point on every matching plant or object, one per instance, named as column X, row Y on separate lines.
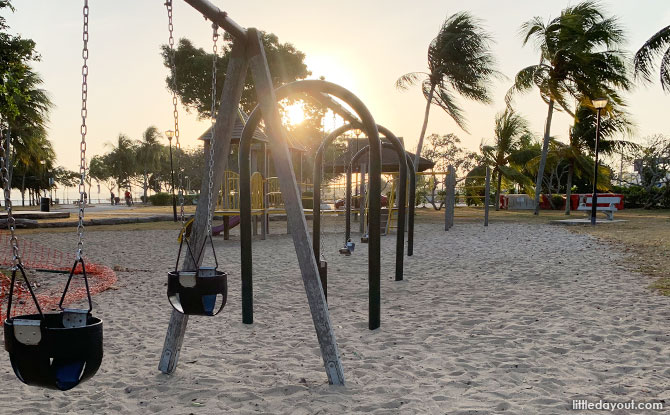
column 362, row 45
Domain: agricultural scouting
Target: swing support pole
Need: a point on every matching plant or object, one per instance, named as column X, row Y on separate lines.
column 248, row 52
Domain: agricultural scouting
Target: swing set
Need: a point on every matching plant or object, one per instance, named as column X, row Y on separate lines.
column 61, row 350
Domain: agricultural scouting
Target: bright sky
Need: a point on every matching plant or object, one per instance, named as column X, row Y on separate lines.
column 364, row 46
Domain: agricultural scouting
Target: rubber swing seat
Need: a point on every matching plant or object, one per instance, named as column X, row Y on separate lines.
column 46, row 353
column 195, row 293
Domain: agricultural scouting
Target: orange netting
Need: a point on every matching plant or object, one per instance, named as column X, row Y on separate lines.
column 38, row 257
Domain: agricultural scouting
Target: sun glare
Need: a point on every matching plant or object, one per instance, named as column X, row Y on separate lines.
column 295, row 114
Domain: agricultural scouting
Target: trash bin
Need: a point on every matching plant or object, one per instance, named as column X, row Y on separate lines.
column 44, row 204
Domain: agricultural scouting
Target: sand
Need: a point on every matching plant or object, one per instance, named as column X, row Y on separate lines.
column 515, row 318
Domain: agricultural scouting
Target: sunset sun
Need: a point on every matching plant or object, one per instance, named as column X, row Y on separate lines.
column 294, row 113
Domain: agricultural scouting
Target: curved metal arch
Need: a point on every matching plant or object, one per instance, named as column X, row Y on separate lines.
column 412, row 189
column 314, row 87
column 395, row 144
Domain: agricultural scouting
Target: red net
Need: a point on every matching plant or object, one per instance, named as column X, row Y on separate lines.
column 36, row 257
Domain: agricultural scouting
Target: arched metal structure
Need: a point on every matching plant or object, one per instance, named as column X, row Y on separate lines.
column 396, row 145
column 412, row 195
column 314, row 88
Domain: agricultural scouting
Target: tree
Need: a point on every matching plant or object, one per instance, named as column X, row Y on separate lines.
column 15, row 55
column 645, row 58
column 121, row 161
column 148, row 155
column 459, row 62
column 445, row 150
column 511, row 134
column 98, row 169
column 194, row 68
column 578, row 59
column 652, row 164
column 582, row 142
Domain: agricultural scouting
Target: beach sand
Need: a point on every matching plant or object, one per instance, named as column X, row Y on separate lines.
column 516, row 318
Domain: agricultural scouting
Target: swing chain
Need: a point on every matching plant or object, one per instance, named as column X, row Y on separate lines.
column 175, row 102
column 4, row 170
column 215, row 38
column 83, row 130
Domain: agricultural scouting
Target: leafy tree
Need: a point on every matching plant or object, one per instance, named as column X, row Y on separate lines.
column 652, row 164
column 99, row 170
column 511, row 134
column 645, row 58
column 578, row 59
column 445, row 150
column 194, row 68
column 15, row 55
column 459, row 62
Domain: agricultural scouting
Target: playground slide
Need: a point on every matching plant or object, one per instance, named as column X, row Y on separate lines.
column 232, row 222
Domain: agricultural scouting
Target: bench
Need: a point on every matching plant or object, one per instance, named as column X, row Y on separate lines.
column 586, row 204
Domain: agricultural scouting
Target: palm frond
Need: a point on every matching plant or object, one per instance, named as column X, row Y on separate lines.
column 407, row 80
column 652, row 48
column 445, row 99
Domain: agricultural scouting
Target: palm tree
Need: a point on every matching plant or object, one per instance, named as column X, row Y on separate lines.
column 657, row 45
column 578, row 59
column 121, row 161
column 582, row 142
column 31, row 150
column 459, row 62
column 149, row 154
column 511, row 134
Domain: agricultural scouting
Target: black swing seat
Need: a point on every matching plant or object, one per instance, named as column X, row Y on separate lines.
column 58, row 352
column 365, row 238
column 196, row 292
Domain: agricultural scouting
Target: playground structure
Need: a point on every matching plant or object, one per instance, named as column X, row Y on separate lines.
column 247, row 53
column 467, row 192
column 318, row 172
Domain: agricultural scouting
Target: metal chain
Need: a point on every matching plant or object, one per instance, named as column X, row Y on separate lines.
column 4, row 170
column 215, row 38
column 175, row 112
column 83, row 130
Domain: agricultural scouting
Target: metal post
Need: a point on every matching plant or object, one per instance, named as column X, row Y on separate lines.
column 174, row 198
column 594, row 198
column 450, row 202
column 487, row 196
column 230, row 98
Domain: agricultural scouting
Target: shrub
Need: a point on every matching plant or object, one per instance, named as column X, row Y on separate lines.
column 161, row 199
column 558, row 201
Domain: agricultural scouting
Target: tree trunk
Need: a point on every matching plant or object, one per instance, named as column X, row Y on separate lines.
column 23, row 190
column 496, row 171
column 419, row 146
column 543, row 159
column 145, row 187
column 568, row 186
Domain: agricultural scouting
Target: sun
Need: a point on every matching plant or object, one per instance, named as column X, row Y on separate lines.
column 294, row 113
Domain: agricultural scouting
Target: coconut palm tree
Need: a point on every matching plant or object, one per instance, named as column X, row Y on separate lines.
column 645, row 58
column 578, row 59
column 511, row 134
column 582, row 141
column 122, row 162
column 31, row 151
column 459, row 62
column 148, row 155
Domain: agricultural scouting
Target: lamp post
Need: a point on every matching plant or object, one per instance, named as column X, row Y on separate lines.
column 599, row 104
column 169, row 134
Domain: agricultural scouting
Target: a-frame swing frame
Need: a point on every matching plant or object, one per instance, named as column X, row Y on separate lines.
column 248, row 53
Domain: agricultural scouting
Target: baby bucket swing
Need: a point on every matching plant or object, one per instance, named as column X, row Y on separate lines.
column 56, row 350
column 195, row 291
